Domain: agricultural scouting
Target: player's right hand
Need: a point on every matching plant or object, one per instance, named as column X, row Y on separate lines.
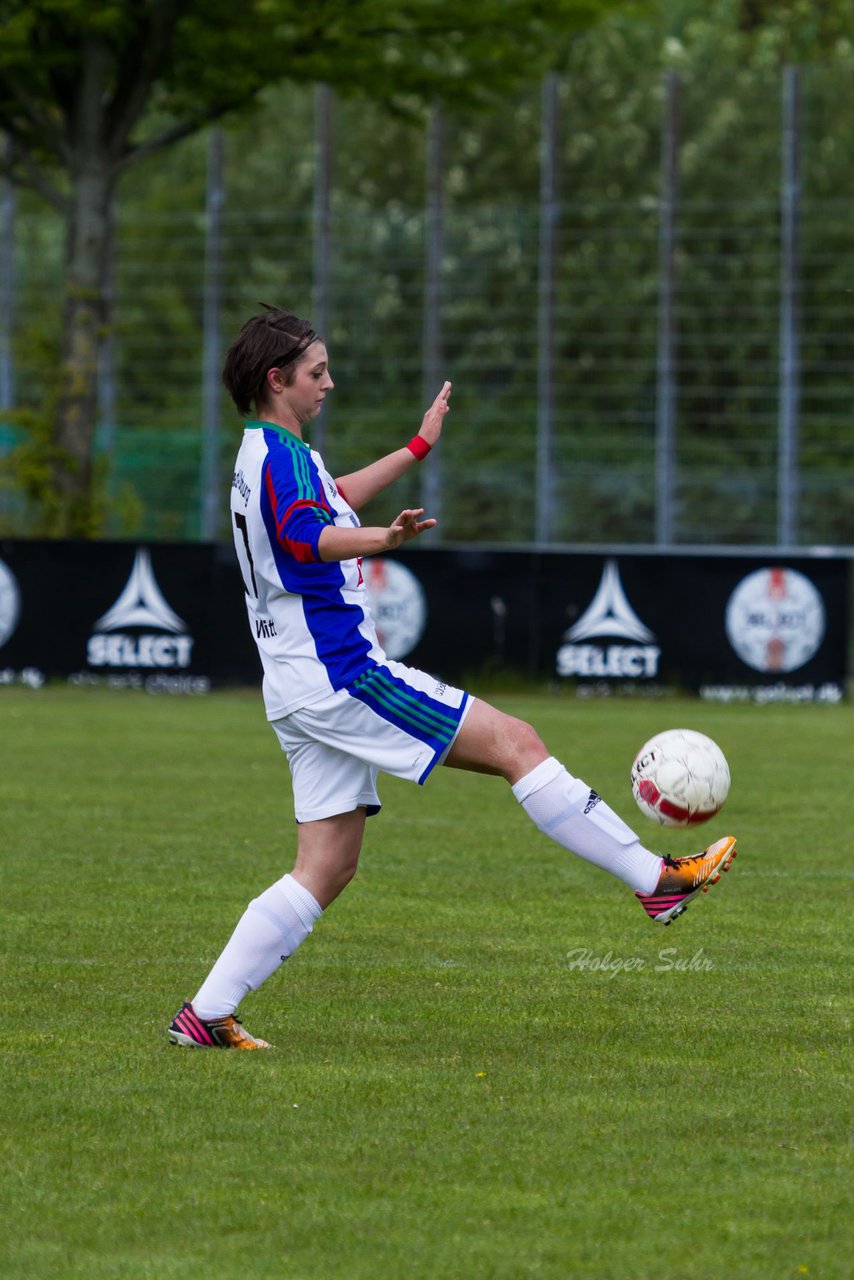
column 431, row 425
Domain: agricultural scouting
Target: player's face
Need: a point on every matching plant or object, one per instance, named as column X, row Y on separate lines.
column 305, row 396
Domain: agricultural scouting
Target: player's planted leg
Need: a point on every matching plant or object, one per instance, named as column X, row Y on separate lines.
column 187, row 1029
column 269, row 931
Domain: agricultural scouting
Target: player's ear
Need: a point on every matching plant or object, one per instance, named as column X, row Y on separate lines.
column 275, row 381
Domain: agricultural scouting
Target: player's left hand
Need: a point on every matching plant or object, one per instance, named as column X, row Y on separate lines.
column 407, row 526
column 431, row 425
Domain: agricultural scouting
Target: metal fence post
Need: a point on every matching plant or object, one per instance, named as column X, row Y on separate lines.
column 434, row 229
column 788, row 479
column 549, row 214
column 210, row 479
column 322, row 234
column 665, row 400
column 8, row 205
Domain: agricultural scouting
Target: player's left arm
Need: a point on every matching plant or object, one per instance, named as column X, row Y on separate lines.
column 360, row 486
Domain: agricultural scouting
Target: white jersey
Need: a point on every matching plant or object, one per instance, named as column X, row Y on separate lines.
column 310, row 619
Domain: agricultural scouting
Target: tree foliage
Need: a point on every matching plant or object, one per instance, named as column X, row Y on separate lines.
column 165, row 68
column 88, row 88
column 727, row 266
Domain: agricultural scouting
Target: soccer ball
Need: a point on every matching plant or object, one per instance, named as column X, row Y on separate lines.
column 679, row 778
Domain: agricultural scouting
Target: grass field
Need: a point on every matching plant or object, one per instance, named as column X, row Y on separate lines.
column 488, row 1063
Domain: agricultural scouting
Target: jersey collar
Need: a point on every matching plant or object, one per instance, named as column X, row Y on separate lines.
column 254, row 424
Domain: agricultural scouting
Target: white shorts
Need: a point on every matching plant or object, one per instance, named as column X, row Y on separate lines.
column 392, row 719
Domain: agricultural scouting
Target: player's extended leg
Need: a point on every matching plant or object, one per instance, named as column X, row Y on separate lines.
column 563, row 807
column 270, row 930
column 574, row 815
column 490, row 741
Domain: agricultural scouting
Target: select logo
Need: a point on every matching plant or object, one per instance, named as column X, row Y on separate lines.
column 632, row 653
column 141, row 630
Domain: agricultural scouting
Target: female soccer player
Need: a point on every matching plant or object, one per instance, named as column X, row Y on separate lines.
column 342, row 711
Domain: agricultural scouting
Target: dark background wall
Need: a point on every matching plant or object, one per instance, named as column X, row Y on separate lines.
column 171, row 616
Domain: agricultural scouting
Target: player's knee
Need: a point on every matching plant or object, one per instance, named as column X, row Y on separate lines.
column 327, row 871
column 524, row 748
column 328, row 882
column 347, row 872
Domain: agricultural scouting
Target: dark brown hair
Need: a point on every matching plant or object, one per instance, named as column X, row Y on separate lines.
column 275, row 339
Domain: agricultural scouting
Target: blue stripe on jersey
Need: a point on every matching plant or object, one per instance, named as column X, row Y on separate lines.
column 333, row 624
column 412, row 710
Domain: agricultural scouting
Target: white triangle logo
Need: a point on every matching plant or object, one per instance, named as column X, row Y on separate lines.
column 609, row 613
column 141, row 603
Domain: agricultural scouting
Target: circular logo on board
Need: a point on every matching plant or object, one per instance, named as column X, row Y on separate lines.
column 10, row 602
column 775, row 620
column 397, row 603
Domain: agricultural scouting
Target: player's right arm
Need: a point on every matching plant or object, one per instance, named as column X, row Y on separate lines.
column 360, row 486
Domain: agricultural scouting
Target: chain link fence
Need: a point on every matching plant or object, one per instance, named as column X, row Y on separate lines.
column 647, row 315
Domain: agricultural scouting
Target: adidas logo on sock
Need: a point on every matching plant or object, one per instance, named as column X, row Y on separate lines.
column 592, row 802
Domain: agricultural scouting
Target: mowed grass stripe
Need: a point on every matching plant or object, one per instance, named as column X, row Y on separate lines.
column 457, row 1089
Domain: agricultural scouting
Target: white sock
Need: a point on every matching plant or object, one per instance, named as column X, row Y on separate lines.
column 270, row 929
column 568, row 811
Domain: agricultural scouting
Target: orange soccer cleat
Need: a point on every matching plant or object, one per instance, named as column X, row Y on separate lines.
column 193, row 1032
column 683, row 878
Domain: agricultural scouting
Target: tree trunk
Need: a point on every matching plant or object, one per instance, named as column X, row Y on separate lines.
column 86, row 307
column 85, row 323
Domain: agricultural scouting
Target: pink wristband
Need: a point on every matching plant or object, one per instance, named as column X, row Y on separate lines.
column 419, row 446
